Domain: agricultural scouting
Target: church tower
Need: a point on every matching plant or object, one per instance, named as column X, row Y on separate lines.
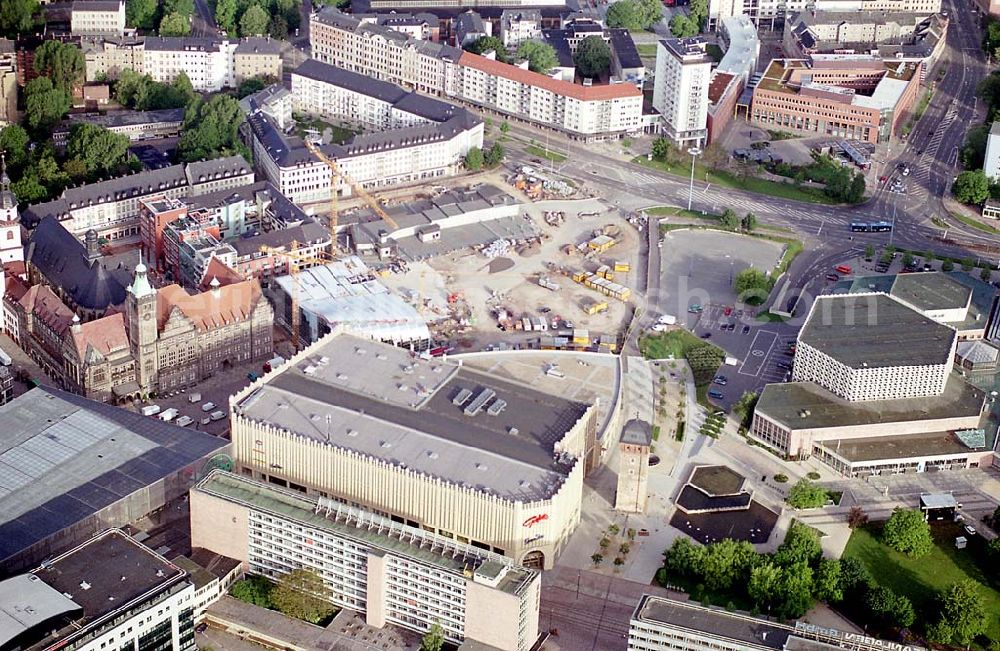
column 141, row 311
column 10, row 227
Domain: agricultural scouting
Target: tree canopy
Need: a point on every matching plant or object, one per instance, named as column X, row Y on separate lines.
column 254, row 21
column 541, row 56
column 60, row 62
column 484, row 44
column 801, row 545
column 592, row 57
column 303, row 594
column 752, row 286
column 963, row 614
column 45, row 104
column 907, row 532
column 627, row 14
column 175, row 24
column 806, row 495
column 141, row 93
column 211, row 129
column 17, row 17
column 683, row 26
column 972, row 187
column 141, row 14
column 474, row 159
column 433, row 640
column 99, row 149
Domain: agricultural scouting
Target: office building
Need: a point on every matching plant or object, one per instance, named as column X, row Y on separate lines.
column 91, row 466
column 588, row 112
column 395, row 573
column 991, row 164
column 859, row 97
column 661, row 623
column 111, row 208
column 680, row 90
column 97, row 18
column 496, row 464
column 873, row 391
column 109, row 592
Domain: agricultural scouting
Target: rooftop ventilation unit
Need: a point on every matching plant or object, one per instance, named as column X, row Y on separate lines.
column 462, row 397
column 497, row 407
column 479, row 402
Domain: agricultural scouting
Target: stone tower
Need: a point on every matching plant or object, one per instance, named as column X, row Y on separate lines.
column 141, row 311
column 10, row 227
column 633, row 466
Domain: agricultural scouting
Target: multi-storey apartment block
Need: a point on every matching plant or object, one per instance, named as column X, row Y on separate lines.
column 680, row 91
column 97, row 18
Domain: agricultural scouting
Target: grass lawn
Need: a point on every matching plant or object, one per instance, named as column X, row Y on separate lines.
column 750, row 184
column 338, row 135
column 647, row 50
column 547, row 154
column 923, row 578
column 974, row 223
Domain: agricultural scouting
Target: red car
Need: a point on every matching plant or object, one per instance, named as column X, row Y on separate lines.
column 728, row 310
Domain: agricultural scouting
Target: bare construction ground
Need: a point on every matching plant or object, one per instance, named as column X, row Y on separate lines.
column 511, row 282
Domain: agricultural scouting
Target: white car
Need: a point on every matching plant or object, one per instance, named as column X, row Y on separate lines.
column 208, row 406
column 659, row 327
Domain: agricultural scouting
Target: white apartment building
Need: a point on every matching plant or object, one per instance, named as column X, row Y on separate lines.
column 111, row 592
column 766, row 13
column 680, row 90
column 409, row 137
column 210, row 63
column 394, row 573
column 873, row 347
column 991, row 164
column 517, row 26
column 589, row 112
column 97, row 18
column 112, row 207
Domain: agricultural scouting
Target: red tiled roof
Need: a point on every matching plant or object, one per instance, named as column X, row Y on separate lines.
column 15, row 289
column 220, row 271
column 15, row 268
column 557, row 86
column 105, row 335
column 46, row 306
column 234, row 303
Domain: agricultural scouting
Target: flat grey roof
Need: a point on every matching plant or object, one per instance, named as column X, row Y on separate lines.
column 878, row 448
column 64, row 457
column 26, row 602
column 931, row 291
column 383, row 402
column 713, row 622
column 805, row 405
column 874, row 330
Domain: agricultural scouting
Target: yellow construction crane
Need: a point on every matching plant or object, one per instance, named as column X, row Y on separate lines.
column 312, row 143
column 297, row 262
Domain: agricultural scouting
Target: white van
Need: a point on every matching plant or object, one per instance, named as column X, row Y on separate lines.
column 218, row 415
column 168, row 415
column 150, row 410
column 184, row 421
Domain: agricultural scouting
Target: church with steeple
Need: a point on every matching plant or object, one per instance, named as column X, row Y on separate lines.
column 11, row 249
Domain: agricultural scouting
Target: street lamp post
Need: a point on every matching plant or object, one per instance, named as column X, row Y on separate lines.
column 694, row 151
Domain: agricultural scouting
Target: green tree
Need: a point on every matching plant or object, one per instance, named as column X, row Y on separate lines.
column 494, row 155
column 44, row 104
column 855, row 579
column 592, row 57
column 75, row 168
column 967, row 264
column 14, row 142
column 801, row 545
column 985, row 274
column 250, row 86
column 100, row 149
column 889, row 608
column 827, row 581
column 541, row 56
column 752, row 286
column 29, row 188
column 661, row 149
column 597, row 558
column 763, row 585
column 749, row 222
column 856, row 190
column 302, row 594
column 948, row 265
column 971, row 187
column 627, row 14
column 17, row 17
column 485, row 44
column 225, row 15
column 254, row 21
column 183, row 89
column 141, row 14
column 474, row 159
column 907, row 259
column 730, row 221
column 182, row 7
column 974, row 149
column 796, row 590
column 60, row 62
column 684, row 559
column 726, row 562
column 278, row 28
column 211, row 129
column 254, row 590
column 963, row 612
column 698, row 10
column 869, row 252
column 175, row 25
column 806, row 495
column 745, row 406
column 907, row 532
column 433, row 640
column 682, row 26
column 652, row 11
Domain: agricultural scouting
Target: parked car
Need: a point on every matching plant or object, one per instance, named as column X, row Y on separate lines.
column 721, row 380
column 706, row 335
column 659, row 327
column 717, row 395
column 746, row 329
column 208, row 406
column 253, row 377
column 695, row 308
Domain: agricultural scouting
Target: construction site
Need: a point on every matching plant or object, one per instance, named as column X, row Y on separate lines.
column 569, row 287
